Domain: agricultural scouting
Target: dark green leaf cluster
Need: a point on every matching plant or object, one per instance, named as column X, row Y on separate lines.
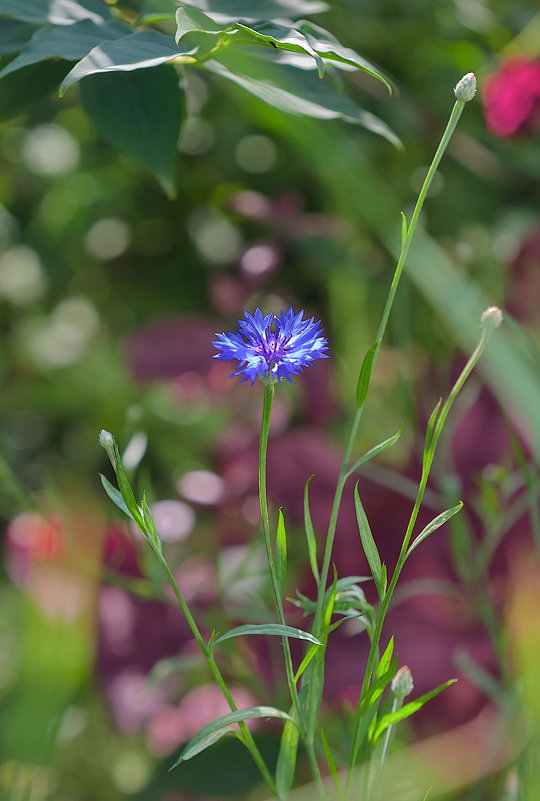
column 127, row 65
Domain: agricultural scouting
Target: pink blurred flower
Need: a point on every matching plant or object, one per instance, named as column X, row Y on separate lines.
column 512, row 98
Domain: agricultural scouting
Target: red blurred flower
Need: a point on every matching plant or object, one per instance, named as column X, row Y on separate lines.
column 512, row 98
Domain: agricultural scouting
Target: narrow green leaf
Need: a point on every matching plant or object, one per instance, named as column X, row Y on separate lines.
column 365, row 374
column 386, row 658
column 310, row 653
column 430, row 426
column 331, row 762
column 436, row 523
column 310, row 533
column 379, row 686
column 408, row 709
column 368, row 543
column 125, row 490
column 329, row 609
column 274, row 629
column 286, row 763
column 375, row 451
column 215, row 730
column 139, row 113
column 403, row 229
column 281, row 551
column 115, row 496
column 150, row 531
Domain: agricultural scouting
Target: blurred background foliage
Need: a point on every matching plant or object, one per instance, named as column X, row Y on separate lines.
column 110, row 293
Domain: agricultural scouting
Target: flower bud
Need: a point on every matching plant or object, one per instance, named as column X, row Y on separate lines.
column 465, row 89
column 402, row 683
column 106, row 440
column 491, row 318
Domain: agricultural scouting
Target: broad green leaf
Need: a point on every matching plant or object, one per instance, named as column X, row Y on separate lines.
column 365, row 374
column 23, row 89
column 115, row 496
column 327, row 46
column 55, row 12
column 375, row 451
column 215, row 730
column 292, row 90
column 436, row 523
column 14, row 36
column 281, row 551
column 286, row 763
column 285, row 38
column 368, row 543
column 408, row 709
column 140, row 113
column 134, row 52
column 274, row 629
column 71, row 43
column 250, row 10
column 189, row 20
column 310, row 533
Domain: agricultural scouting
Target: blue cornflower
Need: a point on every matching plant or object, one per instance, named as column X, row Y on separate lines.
column 272, row 347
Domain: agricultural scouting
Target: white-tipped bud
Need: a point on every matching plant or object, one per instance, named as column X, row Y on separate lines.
column 402, row 683
column 465, row 89
column 491, row 318
column 106, row 440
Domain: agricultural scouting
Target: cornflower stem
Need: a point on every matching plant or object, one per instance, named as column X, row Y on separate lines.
column 343, row 474
column 429, row 454
column 268, row 399
column 247, row 737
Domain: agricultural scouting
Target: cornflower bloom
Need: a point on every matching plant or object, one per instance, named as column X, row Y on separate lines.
column 272, row 347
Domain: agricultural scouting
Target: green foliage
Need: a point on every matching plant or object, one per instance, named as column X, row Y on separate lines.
column 272, row 629
column 140, row 113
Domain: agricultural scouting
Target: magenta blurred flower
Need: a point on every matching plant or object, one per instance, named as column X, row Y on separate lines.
column 272, row 347
column 512, row 98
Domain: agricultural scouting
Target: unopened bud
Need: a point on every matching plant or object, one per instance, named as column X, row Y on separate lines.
column 465, row 89
column 402, row 683
column 106, row 440
column 491, row 318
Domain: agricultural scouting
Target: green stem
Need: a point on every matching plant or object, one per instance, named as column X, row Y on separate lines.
column 263, row 502
column 218, row 678
column 386, row 599
column 343, row 474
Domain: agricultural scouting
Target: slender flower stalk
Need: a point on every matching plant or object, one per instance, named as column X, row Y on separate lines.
column 407, row 237
column 490, row 320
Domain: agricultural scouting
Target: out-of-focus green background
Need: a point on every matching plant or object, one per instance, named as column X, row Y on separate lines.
column 109, row 297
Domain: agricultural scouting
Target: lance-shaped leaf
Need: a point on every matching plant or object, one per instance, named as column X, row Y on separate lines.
column 365, row 374
column 69, row 42
column 310, row 533
column 375, row 451
column 273, row 629
column 281, row 551
column 407, row 710
column 436, row 523
column 14, row 35
column 368, row 543
column 218, row 728
column 283, row 38
column 115, row 496
column 286, row 763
